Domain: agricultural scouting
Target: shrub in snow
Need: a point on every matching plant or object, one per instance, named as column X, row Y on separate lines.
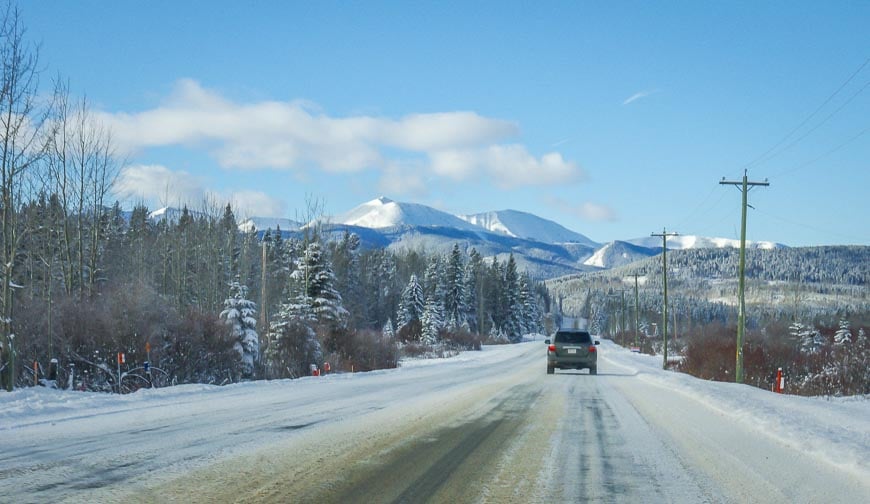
column 294, row 347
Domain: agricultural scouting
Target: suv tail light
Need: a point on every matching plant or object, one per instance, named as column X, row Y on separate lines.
column 551, row 348
column 592, row 349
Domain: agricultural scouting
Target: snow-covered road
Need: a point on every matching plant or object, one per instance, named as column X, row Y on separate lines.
column 485, row 426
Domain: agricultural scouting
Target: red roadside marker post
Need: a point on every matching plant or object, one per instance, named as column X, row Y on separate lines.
column 121, row 360
column 779, row 386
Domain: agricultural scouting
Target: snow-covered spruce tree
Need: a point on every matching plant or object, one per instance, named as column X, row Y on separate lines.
column 239, row 312
column 843, row 336
column 412, row 304
column 472, row 283
column 531, row 313
column 389, row 291
column 513, row 326
column 496, row 309
column 455, row 308
column 808, row 338
column 433, row 318
column 349, row 278
column 231, row 250
column 844, row 357
column 431, row 324
column 388, row 333
column 318, row 288
column 312, row 303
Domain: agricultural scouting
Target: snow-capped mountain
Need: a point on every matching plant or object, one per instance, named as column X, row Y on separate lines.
column 681, row 242
column 386, row 213
column 540, row 246
column 619, row 253
column 170, row 214
column 264, row 223
column 528, row 226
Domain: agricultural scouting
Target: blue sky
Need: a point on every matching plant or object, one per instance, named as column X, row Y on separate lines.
column 615, row 119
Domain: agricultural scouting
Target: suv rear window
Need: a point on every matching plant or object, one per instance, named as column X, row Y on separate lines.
column 573, row 337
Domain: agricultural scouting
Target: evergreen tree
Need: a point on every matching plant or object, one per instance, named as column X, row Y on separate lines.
column 496, row 311
column 293, row 345
column 388, row 332
column 317, row 298
column 230, row 249
column 472, row 284
column 413, row 303
column 433, row 313
column 843, row 336
column 388, row 291
column 531, row 314
column 455, row 306
column 432, row 321
column 346, row 264
column 808, row 339
column 239, row 312
column 513, row 325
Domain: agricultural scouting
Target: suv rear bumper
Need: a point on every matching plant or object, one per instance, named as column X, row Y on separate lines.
column 572, row 363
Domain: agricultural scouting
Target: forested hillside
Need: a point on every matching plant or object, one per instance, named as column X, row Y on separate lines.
column 797, row 301
column 216, row 304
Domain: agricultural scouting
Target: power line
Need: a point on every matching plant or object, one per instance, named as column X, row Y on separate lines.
column 819, row 125
column 763, row 157
column 807, row 226
column 703, row 215
column 826, row 154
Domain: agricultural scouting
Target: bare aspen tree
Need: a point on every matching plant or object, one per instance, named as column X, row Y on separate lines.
column 98, row 169
column 83, row 169
column 60, row 177
column 22, row 144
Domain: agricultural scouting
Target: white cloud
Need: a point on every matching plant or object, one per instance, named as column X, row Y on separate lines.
column 595, row 212
column 256, row 204
column 407, row 178
column 158, row 186
column 297, row 136
column 638, row 96
column 588, row 210
column 508, row 166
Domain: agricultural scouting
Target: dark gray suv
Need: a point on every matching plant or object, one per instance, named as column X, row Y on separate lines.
column 572, row 349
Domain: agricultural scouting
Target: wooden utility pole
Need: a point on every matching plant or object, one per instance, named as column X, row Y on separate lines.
column 744, row 187
column 264, row 317
column 664, row 234
column 636, row 321
column 622, row 310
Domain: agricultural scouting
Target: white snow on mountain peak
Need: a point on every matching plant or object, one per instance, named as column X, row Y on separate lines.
column 618, row 253
column 400, row 224
column 598, row 259
column 527, row 226
column 384, row 212
column 264, row 223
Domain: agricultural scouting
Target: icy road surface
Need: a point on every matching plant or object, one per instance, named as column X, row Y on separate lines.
column 485, row 426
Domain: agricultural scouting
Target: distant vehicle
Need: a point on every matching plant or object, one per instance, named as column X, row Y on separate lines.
column 572, row 349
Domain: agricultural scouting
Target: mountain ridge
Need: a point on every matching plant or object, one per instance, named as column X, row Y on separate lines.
column 544, row 247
